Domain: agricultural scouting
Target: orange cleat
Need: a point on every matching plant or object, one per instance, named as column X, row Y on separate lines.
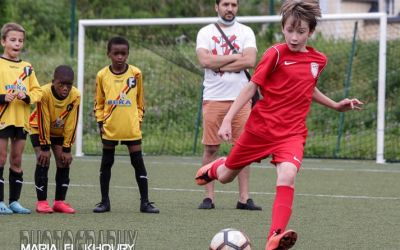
column 63, row 207
column 202, row 176
column 281, row 241
column 43, row 207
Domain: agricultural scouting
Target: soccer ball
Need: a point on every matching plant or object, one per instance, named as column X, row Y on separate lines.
column 230, row 239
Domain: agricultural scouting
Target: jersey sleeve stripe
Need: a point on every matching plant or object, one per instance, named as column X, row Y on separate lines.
column 74, row 130
column 41, row 129
column 3, row 109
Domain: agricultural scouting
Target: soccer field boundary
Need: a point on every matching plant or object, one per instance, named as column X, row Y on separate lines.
column 354, row 197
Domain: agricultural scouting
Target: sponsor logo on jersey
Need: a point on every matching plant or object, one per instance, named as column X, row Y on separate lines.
column 58, row 123
column 70, row 107
column 131, row 82
column 314, row 69
column 122, row 101
column 296, row 159
column 16, row 87
column 289, row 62
column 28, row 70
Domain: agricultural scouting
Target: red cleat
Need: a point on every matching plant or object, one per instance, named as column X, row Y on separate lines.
column 43, row 207
column 202, row 176
column 281, row 241
column 63, row 207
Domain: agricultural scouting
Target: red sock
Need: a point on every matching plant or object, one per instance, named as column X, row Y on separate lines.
column 212, row 173
column 281, row 209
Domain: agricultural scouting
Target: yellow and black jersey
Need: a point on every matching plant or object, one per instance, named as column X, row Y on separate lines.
column 17, row 76
column 119, row 103
column 55, row 117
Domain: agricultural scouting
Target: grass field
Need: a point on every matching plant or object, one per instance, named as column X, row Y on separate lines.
column 338, row 205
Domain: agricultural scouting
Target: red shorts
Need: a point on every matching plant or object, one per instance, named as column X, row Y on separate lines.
column 253, row 148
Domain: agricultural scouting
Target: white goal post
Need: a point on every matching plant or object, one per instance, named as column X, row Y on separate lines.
column 381, row 17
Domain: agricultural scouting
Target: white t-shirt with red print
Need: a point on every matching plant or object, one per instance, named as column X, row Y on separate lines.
column 224, row 86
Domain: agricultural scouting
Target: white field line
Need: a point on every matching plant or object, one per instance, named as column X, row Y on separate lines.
column 304, row 168
column 355, row 197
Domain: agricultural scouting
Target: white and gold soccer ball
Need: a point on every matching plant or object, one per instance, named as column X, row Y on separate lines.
column 230, row 239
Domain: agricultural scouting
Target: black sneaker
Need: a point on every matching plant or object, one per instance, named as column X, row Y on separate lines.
column 249, row 205
column 102, row 207
column 148, row 207
column 206, row 204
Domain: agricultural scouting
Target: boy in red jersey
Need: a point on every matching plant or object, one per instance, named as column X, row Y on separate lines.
column 119, row 110
column 18, row 89
column 286, row 76
column 53, row 125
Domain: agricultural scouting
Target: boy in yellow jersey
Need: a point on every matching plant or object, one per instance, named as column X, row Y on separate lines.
column 18, row 89
column 119, row 110
column 53, row 124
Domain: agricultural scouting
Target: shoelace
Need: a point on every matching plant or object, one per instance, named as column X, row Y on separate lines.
column 150, row 204
column 204, row 177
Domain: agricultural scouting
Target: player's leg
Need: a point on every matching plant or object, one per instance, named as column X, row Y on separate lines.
column 210, row 154
column 238, row 123
column 107, row 161
column 135, row 153
column 282, row 208
column 249, row 148
column 41, row 178
column 16, row 173
column 288, row 159
column 245, row 202
column 216, row 170
column 62, row 179
column 3, row 157
column 213, row 114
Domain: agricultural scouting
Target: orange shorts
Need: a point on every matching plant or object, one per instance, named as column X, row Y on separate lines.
column 252, row 148
column 213, row 114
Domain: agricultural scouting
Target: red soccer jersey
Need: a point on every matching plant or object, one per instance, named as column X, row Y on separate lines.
column 286, row 80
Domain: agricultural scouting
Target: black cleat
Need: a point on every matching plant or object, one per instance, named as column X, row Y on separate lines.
column 206, row 204
column 249, row 205
column 102, row 207
column 148, row 207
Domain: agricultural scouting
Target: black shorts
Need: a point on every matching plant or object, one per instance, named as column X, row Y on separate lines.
column 115, row 143
column 13, row 133
column 54, row 140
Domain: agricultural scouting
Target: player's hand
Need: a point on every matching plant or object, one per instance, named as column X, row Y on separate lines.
column 349, row 104
column 43, row 158
column 21, row 95
column 66, row 159
column 225, row 131
column 9, row 97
